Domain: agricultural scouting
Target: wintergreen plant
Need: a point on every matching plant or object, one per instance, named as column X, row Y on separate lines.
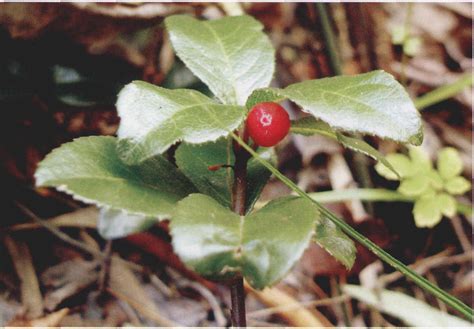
column 214, row 228
column 433, row 189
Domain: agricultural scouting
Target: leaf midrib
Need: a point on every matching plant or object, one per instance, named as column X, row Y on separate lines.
column 227, row 59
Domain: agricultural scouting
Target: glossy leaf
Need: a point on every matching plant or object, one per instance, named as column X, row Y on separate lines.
column 194, row 162
column 411, row 311
column 372, row 103
column 231, row 55
column 115, row 224
column 335, row 242
column 154, row 118
column 309, row 126
column 449, row 163
column 263, row 245
column 90, row 170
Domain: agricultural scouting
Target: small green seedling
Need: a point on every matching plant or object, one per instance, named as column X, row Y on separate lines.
column 208, row 190
column 433, row 189
column 411, row 44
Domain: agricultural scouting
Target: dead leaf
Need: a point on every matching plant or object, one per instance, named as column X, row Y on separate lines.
column 30, row 291
column 68, row 279
column 125, row 286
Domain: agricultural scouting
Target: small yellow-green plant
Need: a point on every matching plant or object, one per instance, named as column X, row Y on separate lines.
column 433, row 189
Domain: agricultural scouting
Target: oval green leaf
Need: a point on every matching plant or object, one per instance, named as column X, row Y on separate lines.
column 90, row 170
column 263, row 246
column 372, row 103
column 154, row 118
column 231, row 55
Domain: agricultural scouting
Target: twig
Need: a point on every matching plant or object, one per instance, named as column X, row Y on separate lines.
column 463, row 240
column 286, row 308
column 211, row 299
column 104, row 274
column 239, row 193
column 67, row 239
column 403, row 76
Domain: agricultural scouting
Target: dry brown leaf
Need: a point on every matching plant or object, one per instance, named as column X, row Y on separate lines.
column 85, row 218
column 296, row 317
column 30, row 291
column 126, row 287
column 50, row 320
column 68, row 279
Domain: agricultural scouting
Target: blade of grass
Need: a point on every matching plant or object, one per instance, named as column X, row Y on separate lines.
column 444, row 92
column 380, row 253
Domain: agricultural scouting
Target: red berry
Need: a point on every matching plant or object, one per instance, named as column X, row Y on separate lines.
column 267, row 123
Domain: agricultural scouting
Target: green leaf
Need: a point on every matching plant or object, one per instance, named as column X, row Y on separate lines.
column 309, row 126
column 263, row 246
column 411, row 311
column 427, row 211
column 335, row 242
column 447, row 204
column 154, row 118
column 449, row 163
column 434, row 178
column 116, row 224
column 414, row 186
column 194, row 161
column 372, row 103
column 457, row 185
column 231, row 55
column 365, row 148
column 420, row 159
column 401, row 163
column 90, row 170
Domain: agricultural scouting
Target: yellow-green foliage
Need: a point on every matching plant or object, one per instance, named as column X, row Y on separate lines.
column 433, row 189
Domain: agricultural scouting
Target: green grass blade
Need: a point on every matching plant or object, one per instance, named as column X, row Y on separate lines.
column 450, row 300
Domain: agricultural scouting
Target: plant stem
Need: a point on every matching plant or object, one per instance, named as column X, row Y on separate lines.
column 329, row 38
column 239, row 192
column 375, row 194
column 406, row 28
column 444, row 92
column 379, row 252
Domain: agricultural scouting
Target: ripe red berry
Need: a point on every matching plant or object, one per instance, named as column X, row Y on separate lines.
column 267, row 123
